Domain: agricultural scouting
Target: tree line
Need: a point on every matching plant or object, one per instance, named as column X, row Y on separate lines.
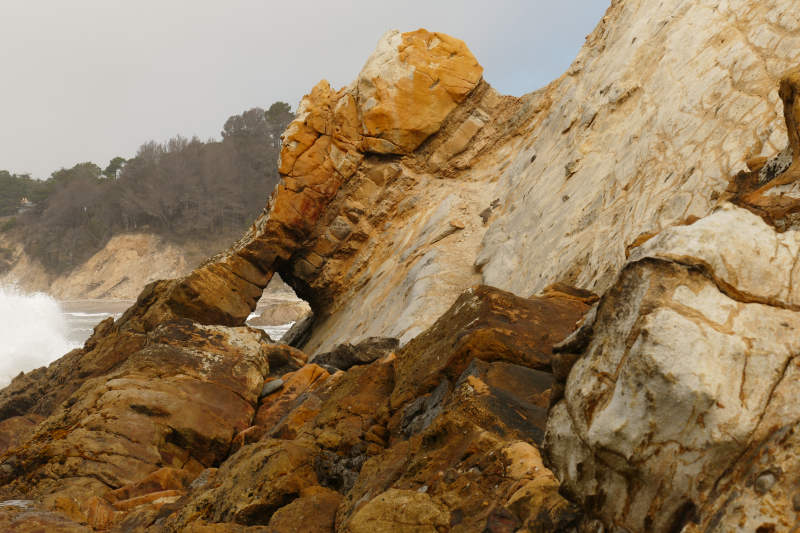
column 193, row 192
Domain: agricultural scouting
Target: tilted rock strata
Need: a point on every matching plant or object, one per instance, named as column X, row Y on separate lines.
column 678, row 410
column 175, row 403
column 458, row 457
column 663, row 106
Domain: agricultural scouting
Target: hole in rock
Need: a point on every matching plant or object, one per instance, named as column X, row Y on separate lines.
column 278, row 309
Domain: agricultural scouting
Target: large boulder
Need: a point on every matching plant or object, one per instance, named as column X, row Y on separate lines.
column 679, row 412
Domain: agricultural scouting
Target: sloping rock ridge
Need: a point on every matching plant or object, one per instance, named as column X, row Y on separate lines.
column 417, row 398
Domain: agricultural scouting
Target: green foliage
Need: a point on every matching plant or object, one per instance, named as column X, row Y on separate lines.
column 188, row 190
column 8, row 225
column 114, row 167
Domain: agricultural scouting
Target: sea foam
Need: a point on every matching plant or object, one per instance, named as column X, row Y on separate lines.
column 33, row 332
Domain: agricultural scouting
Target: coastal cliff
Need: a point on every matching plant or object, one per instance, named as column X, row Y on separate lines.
column 573, row 311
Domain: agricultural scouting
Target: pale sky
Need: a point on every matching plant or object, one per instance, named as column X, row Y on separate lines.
column 88, row 80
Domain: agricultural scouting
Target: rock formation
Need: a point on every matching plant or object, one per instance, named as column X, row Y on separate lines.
column 417, row 398
column 679, row 412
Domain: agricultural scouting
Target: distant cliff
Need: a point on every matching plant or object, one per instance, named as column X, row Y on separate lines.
column 119, row 270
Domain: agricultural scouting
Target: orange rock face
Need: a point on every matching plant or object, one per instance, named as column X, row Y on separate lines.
column 404, row 101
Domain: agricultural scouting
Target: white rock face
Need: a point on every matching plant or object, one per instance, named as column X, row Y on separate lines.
column 663, row 105
column 671, row 411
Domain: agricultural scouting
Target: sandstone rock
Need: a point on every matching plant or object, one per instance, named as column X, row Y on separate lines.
column 253, row 484
column 175, row 403
column 409, row 86
column 345, row 356
column 283, row 359
column 770, row 189
column 681, row 383
column 126, row 264
column 635, row 108
column 20, row 517
column 313, row 512
column 490, row 325
column 282, row 314
column 16, row 430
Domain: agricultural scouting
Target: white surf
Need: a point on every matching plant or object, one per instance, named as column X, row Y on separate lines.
column 33, row 332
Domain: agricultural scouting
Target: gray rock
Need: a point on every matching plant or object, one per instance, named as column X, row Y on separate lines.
column 346, row 356
column 298, row 335
column 271, row 386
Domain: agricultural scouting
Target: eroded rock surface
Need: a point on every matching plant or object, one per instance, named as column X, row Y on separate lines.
column 679, row 411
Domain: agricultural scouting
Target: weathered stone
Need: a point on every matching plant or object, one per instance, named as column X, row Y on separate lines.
column 16, row 430
column 346, row 356
column 313, row 512
column 253, row 484
column 175, row 403
column 680, row 389
column 24, row 519
column 489, row 325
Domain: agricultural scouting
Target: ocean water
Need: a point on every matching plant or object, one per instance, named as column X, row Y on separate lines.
column 36, row 329
column 33, row 332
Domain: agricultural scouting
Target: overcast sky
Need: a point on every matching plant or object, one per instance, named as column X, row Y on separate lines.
column 88, row 80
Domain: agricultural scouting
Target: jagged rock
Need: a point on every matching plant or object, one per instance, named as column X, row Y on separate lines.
column 651, row 119
column 282, row 360
column 313, row 512
column 253, row 484
column 299, row 333
column 490, row 325
column 345, row 356
column 176, row 403
column 679, row 410
column 770, row 188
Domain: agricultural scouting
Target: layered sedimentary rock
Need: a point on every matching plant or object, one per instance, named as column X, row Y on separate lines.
column 662, row 107
column 680, row 409
column 671, row 407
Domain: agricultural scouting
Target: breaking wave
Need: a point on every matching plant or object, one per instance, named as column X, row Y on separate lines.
column 33, row 332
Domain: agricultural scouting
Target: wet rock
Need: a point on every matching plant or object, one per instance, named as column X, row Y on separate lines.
column 345, row 356
column 697, row 335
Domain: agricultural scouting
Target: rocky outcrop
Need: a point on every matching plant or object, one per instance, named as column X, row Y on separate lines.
column 670, row 406
column 462, row 455
column 679, row 412
column 176, row 402
column 346, row 356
